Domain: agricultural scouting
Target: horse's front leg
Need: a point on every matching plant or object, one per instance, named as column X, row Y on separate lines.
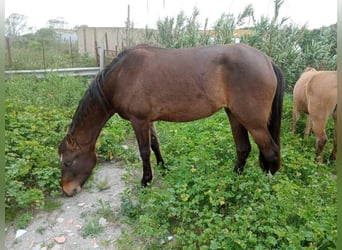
column 142, row 133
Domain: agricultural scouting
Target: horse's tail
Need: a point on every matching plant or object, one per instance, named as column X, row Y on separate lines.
column 277, row 107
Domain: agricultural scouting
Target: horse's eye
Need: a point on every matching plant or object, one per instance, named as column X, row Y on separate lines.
column 68, row 163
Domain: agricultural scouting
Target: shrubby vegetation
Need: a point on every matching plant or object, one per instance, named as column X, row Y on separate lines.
column 292, row 47
column 44, row 49
column 204, row 204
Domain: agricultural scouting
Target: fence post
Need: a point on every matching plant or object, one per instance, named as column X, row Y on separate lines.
column 101, row 52
column 9, row 54
column 43, row 48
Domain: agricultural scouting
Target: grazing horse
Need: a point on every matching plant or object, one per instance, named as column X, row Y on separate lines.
column 315, row 93
column 146, row 84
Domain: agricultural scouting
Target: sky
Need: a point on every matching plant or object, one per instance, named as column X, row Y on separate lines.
column 113, row 13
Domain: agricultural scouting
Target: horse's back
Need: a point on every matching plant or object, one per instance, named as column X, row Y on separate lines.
column 323, row 90
column 324, row 82
column 192, row 83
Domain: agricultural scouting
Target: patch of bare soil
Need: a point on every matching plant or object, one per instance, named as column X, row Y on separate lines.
column 65, row 228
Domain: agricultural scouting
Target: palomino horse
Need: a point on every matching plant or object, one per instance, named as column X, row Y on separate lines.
column 145, row 84
column 315, row 93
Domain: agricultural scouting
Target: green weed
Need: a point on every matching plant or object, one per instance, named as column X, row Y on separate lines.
column 92, row 228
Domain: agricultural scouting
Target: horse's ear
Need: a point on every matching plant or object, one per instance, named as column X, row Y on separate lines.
column 71, row 142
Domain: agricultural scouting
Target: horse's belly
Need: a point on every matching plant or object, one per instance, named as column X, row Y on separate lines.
column 185, row 113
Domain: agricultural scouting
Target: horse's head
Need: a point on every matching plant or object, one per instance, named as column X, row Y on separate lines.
column 77, row 164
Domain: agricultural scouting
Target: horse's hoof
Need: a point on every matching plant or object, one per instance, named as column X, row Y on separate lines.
column 145, row 181
column 238, row 170
column 332, row 157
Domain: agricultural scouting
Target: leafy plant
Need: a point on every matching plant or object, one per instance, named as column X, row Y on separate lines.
column 24, row 219
column 92, row 228
column 182, row 31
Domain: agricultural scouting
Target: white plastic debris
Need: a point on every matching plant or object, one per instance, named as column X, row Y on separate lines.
column 20, row 233
column 168, row 239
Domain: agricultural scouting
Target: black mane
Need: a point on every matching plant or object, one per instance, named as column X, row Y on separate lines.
column 94, row 93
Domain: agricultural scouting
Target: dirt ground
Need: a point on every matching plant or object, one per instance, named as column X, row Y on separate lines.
column 62, row 228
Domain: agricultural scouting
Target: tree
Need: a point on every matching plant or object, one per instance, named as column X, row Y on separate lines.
column 57, row 23
column 15, row 24
column 46, row 34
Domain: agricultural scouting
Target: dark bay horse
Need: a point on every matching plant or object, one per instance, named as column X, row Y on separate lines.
column 315, row 93
column 146, row 84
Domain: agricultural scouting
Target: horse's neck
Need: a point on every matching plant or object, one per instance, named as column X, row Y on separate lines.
column 88, row 128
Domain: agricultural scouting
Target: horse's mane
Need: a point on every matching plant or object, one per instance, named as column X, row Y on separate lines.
column 94, row 93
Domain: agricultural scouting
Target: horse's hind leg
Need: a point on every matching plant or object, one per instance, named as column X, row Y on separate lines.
column 296, row 116
column 318, row 127
column 308, row 126
column 155, row 146
column 268, row 150
column 242, row 143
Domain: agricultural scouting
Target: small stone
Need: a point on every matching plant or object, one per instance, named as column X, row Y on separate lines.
column 81, row 204
column 60, row 239
column 60, row 220
column 102, row 221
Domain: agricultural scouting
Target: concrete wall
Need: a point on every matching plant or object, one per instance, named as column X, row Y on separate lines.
column 113, row 39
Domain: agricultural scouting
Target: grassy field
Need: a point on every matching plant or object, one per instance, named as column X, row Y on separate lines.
column 200, row 203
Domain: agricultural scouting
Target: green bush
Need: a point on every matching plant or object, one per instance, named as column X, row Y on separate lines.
column 34, row 51
column 32, row 166
column 292, row 47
